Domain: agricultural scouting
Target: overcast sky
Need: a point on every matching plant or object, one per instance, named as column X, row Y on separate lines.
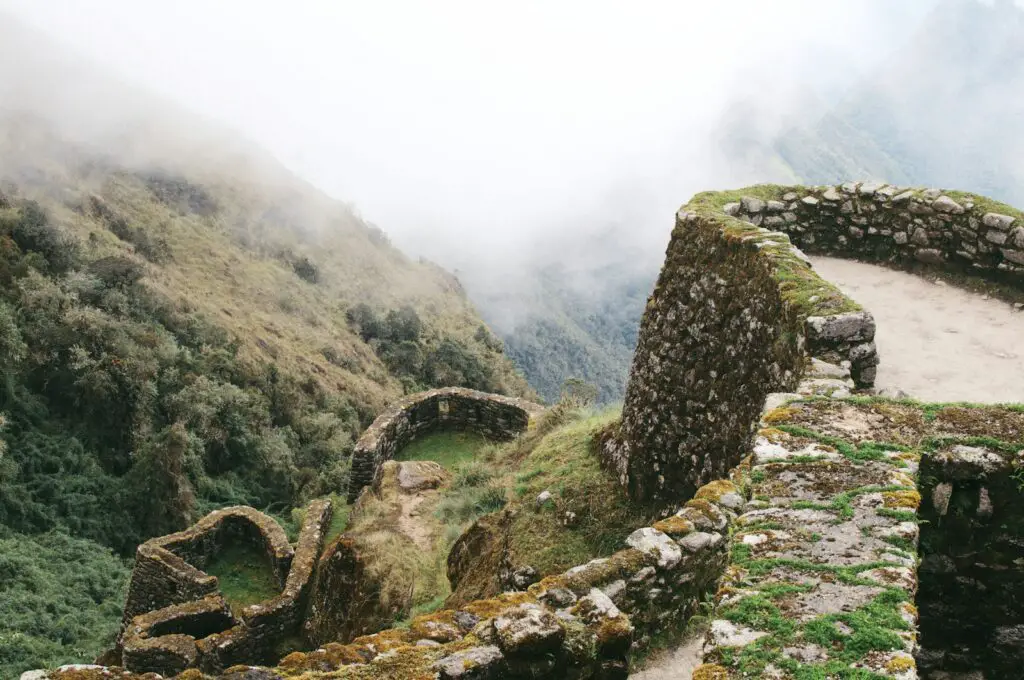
column 482, row 123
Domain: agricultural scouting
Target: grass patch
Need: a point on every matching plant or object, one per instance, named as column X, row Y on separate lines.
column 448, row 449
column 244, row 575
column 590, row 515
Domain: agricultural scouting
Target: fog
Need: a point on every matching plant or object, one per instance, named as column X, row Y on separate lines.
column 470, row 131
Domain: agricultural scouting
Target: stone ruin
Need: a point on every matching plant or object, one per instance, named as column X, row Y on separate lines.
column 175, row 617
column 849, row 538
column 495, row 416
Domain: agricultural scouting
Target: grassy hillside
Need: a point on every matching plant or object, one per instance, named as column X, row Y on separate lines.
column 184, row 325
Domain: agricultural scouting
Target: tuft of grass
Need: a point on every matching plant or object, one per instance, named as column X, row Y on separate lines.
column 448, row 449
column 244, row 575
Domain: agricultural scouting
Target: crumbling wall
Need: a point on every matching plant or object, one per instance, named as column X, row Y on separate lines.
column 492, row 415
column 168, row 569
column 203, row 632
column 716, row 337
column 971, row 597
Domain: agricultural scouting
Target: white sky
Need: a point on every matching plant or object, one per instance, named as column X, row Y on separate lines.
column 486, row 124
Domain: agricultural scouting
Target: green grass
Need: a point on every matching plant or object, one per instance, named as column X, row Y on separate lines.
column 565, row 464
column 244, row 575
column 448, row 449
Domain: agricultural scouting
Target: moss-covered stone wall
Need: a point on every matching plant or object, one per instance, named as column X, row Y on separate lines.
column 717, row 336
column 972, row 548
column 738, row 308
column 873, row 221
column 492, row 415
column 203, row 632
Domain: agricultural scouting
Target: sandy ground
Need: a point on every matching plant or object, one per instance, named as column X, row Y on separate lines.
column 936, row 342
column 677, row 664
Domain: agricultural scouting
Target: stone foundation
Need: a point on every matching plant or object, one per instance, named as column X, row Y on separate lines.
column 491, row 415
column 972, row 569
column 203, row 632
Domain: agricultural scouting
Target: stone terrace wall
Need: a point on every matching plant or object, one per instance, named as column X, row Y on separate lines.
column 492, row 415
column 737, row 308
column 879, row 222
column 203, row 632
column 972, row 569
column 168, row 569
column 728, row 323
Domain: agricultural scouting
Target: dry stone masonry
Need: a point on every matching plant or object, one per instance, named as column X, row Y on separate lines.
column 793, row 499
column 880, row 222
column 734, row 316
column 175, row 616
column 972, row 552
column 494, row 416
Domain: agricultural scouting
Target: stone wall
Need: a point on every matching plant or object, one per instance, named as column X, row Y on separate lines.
column 168, row 569
column 972, row 569
column 718, row 335
column 738, row 308
column 491, row 415
column 203, row 632
column 874, row 222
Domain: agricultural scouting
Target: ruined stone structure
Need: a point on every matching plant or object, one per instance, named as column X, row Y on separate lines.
column 492, row 415
column 175, row 618
column 972, row 551
column 738, row 309
column 801, row 505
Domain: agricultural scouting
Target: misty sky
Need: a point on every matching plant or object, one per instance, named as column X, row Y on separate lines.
column 489, row 124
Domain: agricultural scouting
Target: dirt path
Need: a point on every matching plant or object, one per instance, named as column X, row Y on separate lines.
column 676, row 664
column 409, row 522
column 936, row 342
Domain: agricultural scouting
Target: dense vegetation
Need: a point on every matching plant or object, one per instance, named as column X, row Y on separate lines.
column 146, row 381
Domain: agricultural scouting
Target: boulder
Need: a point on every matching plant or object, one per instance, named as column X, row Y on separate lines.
column 419, row 475
column 528, row 630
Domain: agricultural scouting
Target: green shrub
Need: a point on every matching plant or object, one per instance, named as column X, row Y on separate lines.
column 51, row 614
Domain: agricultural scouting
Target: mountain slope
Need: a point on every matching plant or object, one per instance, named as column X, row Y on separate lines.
column 183, row 325
column 945, row 110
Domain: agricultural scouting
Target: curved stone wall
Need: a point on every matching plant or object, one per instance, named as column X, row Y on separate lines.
column 738, row 310
column 492, row 415
column 175, row 616
column 880, row 222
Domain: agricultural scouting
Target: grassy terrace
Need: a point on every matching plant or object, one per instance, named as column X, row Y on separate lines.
column 822, row 578
column 448, row 449
column 244, row 574
column 586, row 516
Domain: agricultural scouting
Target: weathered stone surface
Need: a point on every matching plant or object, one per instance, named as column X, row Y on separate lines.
column 527, row 630
column 651, row 540
column 850, row 327
column 475, row 663
column 945, row 204
column 997, row 221
column 418, row 475
column 751, row 205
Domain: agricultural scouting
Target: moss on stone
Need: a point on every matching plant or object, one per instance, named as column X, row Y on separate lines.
column 909, row 499
column 710, row 672
column 782, row 414
column 713, row 491
column 674, row 526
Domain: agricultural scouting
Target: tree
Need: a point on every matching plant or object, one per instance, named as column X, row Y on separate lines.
column 158, row 484
column 403, row 325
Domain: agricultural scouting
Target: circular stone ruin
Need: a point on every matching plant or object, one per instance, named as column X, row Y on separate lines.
column 494, row 416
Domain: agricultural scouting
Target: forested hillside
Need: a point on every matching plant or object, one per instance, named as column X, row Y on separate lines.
column 183, row 325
